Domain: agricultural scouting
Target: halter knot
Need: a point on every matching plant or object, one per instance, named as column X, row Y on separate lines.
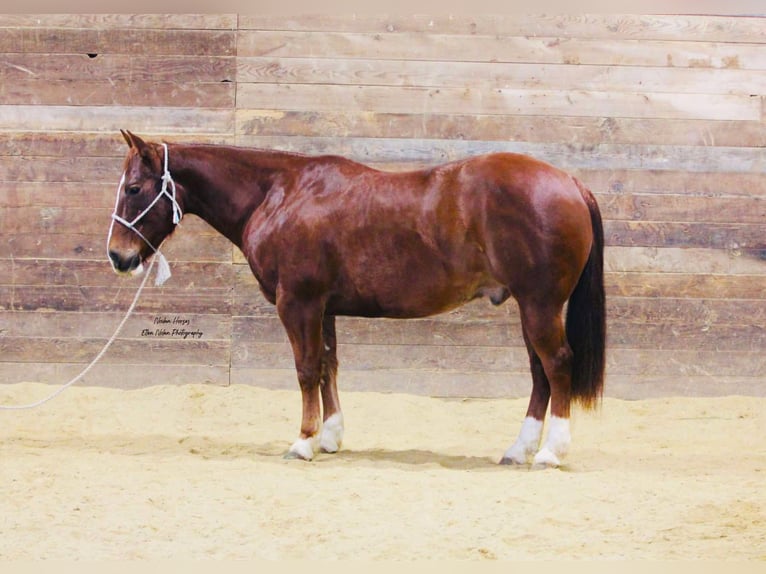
column 167, row 178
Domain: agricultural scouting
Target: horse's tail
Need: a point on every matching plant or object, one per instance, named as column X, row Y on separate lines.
column 586, row 316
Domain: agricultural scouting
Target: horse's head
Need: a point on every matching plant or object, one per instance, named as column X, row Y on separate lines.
column 146, row 211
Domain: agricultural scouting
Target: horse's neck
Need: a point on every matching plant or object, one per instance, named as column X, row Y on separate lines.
column 223, row 185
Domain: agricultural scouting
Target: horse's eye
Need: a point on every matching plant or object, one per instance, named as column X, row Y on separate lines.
column 133, row 190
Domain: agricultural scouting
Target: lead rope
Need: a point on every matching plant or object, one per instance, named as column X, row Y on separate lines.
column 97, row 358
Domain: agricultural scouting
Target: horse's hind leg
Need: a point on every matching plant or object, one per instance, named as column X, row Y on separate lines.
column 528, row 441
column 332, row 428
column 544, row 328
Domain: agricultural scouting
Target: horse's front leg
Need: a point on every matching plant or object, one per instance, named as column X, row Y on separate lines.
column 302, row 320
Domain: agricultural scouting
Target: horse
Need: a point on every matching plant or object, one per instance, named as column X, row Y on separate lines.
column 326, row 236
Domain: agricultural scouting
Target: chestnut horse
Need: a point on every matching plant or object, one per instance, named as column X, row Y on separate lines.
column 326, row 236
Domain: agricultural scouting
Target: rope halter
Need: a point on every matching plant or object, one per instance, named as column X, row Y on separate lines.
column 163, row 269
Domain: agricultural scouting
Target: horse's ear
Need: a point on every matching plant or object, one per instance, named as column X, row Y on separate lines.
column 127, row 138
column 144, row 149
column 134, row 140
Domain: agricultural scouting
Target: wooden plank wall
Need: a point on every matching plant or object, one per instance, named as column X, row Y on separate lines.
column 661, row 116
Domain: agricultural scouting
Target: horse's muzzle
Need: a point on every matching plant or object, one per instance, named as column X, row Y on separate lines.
column 125, row 264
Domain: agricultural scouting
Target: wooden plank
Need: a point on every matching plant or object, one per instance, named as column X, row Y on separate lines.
column 432, row 383
column 117, row 93
column 504, row 101
column 246, row 354
column 79, row 246
column 101, row 299
column 71, row 246
column 697, row 183
column 83, row 144
column 489, row 75
column 402, row 332
column 49, row 194
column 187, row 275
column 468, row 383
column 684, row 27
column 124, row 352
column 432, row 332
column 565, row 156
column 667, row 207
column 682, row 370
column 691, row 285
column 61, row 169
column 701, row 261
column 682, row 363
column 749, row 238
column 507, row 360
column 503, row 48
column 120, row 21
column 699, row 28
column 143, row 326
column 61, row 144
column 460, row 384
column 158, row 120
column 495, row 385
column 53, row 220
column 118, row 41
column 686, row 311
column 118, row 68
column 115, row 376
column 744, row 338
column 632, row 388
column 462, row 126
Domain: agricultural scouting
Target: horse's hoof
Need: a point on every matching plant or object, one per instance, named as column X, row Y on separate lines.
column 302, row 449
column 507, row 461
column 545, row 459
column 328, row 445
column 291, row 455
column 331, row 438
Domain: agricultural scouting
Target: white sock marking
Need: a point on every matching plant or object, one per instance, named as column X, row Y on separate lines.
column 304, row 448
column 556, row 445
column 332, row 433
column 527, row 443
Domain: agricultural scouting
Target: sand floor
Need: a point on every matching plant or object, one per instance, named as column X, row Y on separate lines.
column 197, row 472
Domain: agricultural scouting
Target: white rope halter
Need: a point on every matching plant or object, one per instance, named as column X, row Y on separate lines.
column 163, row 270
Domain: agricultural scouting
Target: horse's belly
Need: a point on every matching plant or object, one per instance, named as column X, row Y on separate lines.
column 415, row 283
